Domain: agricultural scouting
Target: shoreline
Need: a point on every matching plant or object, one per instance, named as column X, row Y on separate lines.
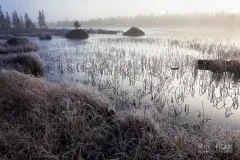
column 52, row 32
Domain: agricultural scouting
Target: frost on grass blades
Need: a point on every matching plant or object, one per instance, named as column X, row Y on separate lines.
column 157, row 78
column 87, row 88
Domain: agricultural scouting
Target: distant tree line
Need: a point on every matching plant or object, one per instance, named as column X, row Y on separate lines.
column 216, row 19
column 17, row 22
column 61, row 23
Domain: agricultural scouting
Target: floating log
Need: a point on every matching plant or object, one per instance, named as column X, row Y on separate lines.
column 231, row 66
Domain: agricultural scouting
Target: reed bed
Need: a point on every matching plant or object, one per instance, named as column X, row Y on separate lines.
column 137, row 79
column 218, row 48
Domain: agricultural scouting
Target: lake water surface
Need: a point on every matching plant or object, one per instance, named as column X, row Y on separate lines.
column 153, row 72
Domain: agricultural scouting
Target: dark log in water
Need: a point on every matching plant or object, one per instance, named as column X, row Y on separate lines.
column 175, row 68
column 219, row 66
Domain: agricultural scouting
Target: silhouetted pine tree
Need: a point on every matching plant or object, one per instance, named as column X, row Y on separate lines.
column 2, row 20
column 42, row 20
column 7, row 22
column 28, row 23
column 22, row 25
column 15, row 20
column 77, row 24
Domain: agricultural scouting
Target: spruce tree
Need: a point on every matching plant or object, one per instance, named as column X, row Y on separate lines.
column 22, row 25
column 7, row 22
column 43, row 20
column 15, row 20
column 77, row 24
column 2, row 20
column 40, row 19
column 28, row 23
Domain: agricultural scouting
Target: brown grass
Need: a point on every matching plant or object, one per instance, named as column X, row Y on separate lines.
column 17, row 45
column 28, row 63
column 42, row 120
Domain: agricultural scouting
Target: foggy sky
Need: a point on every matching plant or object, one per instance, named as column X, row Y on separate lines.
column 86, row 9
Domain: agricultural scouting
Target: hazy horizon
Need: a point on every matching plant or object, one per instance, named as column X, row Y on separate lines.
column 84, row 10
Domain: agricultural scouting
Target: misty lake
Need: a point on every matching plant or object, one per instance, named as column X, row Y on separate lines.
column 156, row 72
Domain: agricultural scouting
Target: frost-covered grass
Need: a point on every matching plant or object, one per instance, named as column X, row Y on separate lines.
column 17, row 45
column 43, row 120
column 217, row 48
column 28, row 63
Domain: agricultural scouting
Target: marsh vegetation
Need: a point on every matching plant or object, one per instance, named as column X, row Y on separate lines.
column 162, row 74
column 110, row 97
column 94, row 93
column 159, row 78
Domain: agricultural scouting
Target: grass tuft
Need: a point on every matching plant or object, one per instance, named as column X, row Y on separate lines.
column 17, row 45
column 28, row 63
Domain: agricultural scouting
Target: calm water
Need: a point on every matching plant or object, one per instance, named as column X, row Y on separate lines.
column 148, row 73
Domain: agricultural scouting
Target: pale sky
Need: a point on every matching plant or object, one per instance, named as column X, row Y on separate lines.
column 86, row 9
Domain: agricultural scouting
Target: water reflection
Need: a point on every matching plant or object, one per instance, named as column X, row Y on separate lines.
column 149, row 73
